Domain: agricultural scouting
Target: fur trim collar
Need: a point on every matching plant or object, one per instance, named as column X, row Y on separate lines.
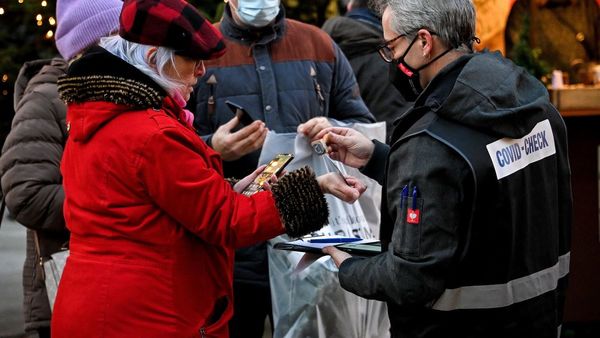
column 100, row 76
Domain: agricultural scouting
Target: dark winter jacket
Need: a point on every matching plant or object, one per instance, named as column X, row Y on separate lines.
column 477, row 209
column 31, row 179
column 358, row 38
column 283, row 75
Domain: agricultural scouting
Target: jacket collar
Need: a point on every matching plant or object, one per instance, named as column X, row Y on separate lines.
column 101, row 76
column 257, row 36
column 432, row 98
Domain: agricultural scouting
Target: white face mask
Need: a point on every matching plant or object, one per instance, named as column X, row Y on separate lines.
column 257, row 13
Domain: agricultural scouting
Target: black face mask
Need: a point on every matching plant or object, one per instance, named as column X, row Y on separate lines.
column 405, row 78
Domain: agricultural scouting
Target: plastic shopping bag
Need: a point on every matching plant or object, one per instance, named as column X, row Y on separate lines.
column 311, row 302
column 53, row 269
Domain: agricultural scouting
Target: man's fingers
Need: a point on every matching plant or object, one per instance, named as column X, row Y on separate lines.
column 314, row 126
column 230, row 124
column 330, row 250
column 256, row 126
column 255, row 143
column 337, row 140
column 251, row 143
column 334, row 130
column 307, row 127
column 316, row 129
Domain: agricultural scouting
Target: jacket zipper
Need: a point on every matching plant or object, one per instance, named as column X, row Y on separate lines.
column 313, row 75
column 202, row 332
column 211, row 82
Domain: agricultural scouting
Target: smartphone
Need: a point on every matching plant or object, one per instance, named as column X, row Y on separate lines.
column 240, row 112
column 275, row 167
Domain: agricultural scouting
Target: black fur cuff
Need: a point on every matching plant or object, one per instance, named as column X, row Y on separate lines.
column 300, row 202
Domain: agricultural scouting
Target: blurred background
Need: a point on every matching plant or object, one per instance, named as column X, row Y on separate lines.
column 27, row 33
column 536, row 34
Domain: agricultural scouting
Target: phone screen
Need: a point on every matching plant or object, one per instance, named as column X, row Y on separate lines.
column 275, row 166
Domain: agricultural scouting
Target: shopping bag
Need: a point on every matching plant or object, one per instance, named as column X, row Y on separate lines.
column 53, row 268
column 311, row 302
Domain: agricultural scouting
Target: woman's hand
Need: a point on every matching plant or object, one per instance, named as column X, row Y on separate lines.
column 243, row 183
column 334, row 184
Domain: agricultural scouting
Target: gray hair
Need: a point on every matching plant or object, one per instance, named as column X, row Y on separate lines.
column 135, row 54
column 453, row 21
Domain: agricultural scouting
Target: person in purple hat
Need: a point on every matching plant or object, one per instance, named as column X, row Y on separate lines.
column 31, row 179
column 154, row 224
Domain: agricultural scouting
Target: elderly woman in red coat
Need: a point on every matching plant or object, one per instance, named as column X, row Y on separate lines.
column 153, row 223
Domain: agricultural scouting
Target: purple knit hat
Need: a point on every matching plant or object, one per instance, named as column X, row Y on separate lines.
column 81, row 23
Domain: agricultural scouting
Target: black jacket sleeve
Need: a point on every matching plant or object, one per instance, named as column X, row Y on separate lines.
column 413, row 269
column 375, row 168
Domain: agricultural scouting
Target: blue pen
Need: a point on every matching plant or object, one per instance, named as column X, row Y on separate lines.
column 334, row 240
column 414, row 198
column 404, row 194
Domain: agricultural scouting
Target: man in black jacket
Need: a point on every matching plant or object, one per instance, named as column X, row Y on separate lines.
column 358, row 33
column 477, row 199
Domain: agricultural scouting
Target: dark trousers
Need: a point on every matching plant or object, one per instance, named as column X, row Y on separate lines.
column 252, row 304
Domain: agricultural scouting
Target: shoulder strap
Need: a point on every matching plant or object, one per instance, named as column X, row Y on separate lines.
column 39, row 253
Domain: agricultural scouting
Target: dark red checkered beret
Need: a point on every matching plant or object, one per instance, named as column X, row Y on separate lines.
column 171, row 23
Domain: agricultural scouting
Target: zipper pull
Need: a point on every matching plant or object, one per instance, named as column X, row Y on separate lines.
column 211, row 82
column 202, row 332
column 313, row 74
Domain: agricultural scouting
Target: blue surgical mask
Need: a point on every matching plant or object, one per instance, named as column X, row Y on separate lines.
column 258, row 13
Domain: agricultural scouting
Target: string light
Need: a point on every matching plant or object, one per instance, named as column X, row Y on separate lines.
column 48, row 35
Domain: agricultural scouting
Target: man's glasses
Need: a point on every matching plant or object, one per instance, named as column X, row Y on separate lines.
column 386, row 53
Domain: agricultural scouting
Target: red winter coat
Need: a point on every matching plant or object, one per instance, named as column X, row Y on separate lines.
column 154, row 227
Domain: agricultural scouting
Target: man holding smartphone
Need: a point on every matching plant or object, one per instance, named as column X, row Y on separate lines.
column 289, row 77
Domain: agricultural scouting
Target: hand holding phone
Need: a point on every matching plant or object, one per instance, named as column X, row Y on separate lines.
column 239, row 111
column 275, row 167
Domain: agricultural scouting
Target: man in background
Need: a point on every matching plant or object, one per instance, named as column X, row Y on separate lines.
column 358, row 33
column 289, row 77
